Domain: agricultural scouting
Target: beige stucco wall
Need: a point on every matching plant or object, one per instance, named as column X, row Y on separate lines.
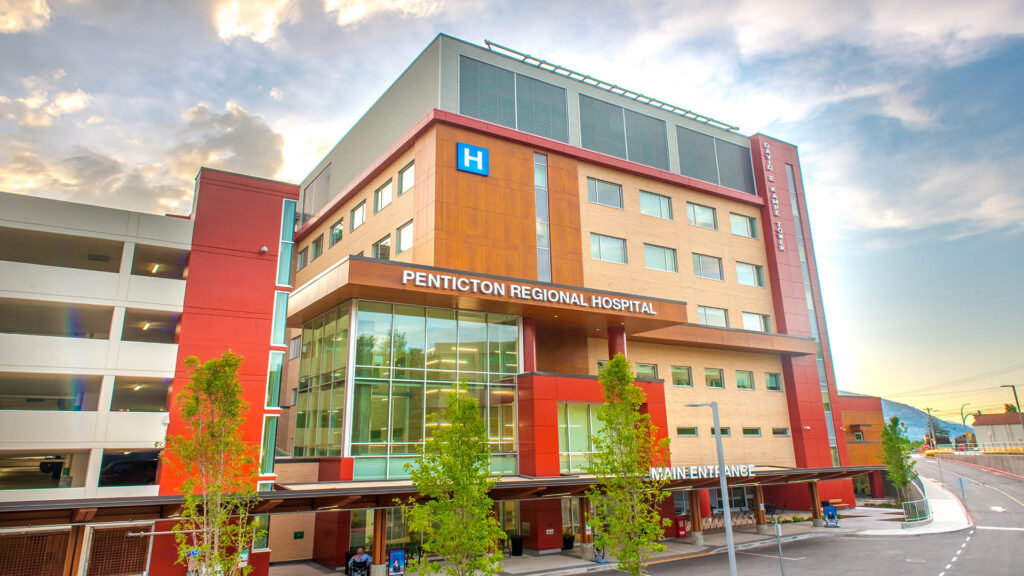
column 760, row 407
column 417, row 204
column 283, row 545
column 638, row 229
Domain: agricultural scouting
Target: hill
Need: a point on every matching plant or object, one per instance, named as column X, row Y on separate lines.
column 917, row 420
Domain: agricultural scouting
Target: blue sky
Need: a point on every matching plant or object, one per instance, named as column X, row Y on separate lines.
column 907, row 115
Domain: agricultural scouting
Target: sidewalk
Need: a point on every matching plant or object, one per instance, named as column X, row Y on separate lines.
column 948, row 515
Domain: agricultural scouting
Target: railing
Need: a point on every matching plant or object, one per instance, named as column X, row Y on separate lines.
column 983, row 448
column 739, row 518
column 917, row 510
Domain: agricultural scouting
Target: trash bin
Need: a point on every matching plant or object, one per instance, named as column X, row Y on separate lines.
column 516, row 545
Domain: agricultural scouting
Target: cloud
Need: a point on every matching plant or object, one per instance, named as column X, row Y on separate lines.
column 351, row 13
column 257, row 20
column 276, row 94
column 36, row 109
column 230, row 139
column 23, row 15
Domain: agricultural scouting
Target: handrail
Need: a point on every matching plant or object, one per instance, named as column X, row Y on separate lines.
column 917, row 510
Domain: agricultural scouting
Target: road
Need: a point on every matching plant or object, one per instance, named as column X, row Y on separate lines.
column 993, row 548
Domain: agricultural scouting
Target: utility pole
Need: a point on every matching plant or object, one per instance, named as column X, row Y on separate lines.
column 963, row 419
column 1020, row 417
column 938, row 456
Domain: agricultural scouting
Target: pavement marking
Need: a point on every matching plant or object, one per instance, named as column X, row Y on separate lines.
column 948, row 566
column 996, row 508
column 771, row 555
column 1010, row 528
column 954, row 559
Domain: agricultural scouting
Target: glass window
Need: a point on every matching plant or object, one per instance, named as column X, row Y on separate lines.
column 382, row 197
column 751, row 431
column 646, row 371
column 316, row 248
column 138, row 394
column 743, row 225
column 295, row 347
column 660, row 258
column 773, row 381
column 284, row 263
column 373, row 337
column 382, row 248
column 744, row 380
column 725, row 430
column 128, row 468
column 406, row 178
column 303, row 259
column 280, row 317
column 681, row 376
column 710, row 316
column 757, row 322
column 404, row 235
column 336, row 231
column 780, row 431
column 540, row 201
column 269, row 444
column 750, row 274
column 708, row 267
column 607, row 248
column 858, row 436
column 288, row 221
column 686, row 431
column 655, row 205
column 577, row 424
column 713, row 378
column 606, row 193
column 357, row 216
column 703, row 216
column 274, row 378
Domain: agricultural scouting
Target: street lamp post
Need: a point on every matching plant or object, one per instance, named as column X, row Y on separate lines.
column 722, row 485
column 963, row 419
column 1020, row 417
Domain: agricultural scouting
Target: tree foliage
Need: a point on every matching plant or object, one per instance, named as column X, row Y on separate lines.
column 899, row 468
column 219, row 467
column 455, row 514
column 1010, row 408
column 626, row 500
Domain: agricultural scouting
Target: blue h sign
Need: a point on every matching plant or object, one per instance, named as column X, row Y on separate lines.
column 473, row 159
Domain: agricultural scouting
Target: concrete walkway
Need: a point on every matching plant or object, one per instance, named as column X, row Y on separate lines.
column 948, row 515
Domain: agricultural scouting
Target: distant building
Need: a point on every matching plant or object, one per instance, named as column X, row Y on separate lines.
column 998, row 428
column 862, row 426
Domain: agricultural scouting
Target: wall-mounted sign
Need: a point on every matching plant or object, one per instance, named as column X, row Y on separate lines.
column 472, row 159
column 502, row 288
column 695, row 472
column 773, row 197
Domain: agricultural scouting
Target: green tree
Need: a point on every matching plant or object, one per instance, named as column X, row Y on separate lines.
column 1009, row 408
column 219, row 468
column 626, row 499
column 940, row 428
column 453, row 477
column 899, row 468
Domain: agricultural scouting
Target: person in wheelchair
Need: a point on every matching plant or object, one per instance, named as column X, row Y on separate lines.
column 359, row 565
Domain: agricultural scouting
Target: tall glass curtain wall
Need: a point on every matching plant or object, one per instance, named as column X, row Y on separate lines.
column 822, row 378
column 407, row 358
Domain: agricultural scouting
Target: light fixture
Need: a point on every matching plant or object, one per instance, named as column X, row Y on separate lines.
column 146, row 326
column 138, row 387
column 156, row 268
column 127, row 452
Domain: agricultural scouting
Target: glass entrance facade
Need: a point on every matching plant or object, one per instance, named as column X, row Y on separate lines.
column 406, row 360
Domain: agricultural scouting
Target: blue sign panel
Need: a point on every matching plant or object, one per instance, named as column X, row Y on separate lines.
column 473, row 159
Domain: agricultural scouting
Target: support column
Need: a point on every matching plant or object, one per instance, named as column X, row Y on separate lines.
column 380, row 541
column 73, row 556
column 761, row 519
column 586, row 531
column 529, row 344
column 696, row 535
column 877, row 485
column 817, row 518
column 616, row 341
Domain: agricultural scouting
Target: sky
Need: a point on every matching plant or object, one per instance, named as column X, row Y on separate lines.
column 906, row 114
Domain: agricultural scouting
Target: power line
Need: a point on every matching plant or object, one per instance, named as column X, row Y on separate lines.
column 922, row 391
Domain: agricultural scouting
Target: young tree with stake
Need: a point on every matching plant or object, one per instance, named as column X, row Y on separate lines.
column 219, row 467
column 899, row 468
column 626, row 499
column 453, row 477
